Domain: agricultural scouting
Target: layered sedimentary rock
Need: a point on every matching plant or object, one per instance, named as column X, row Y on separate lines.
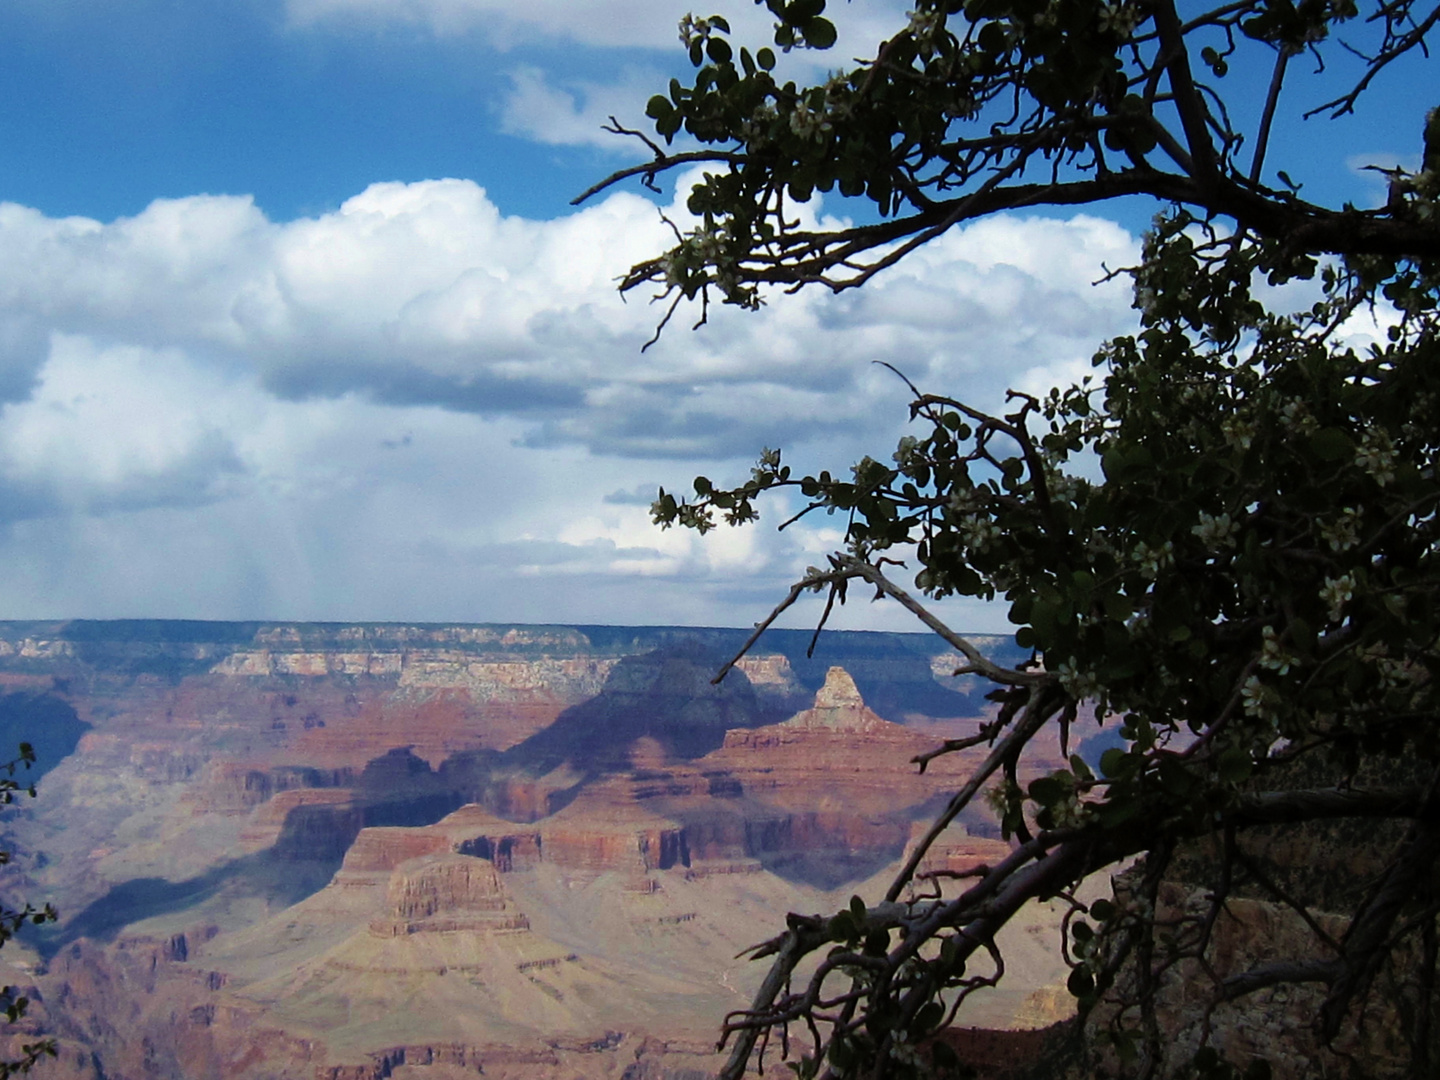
column 956, row 854
column 471, row 830
column 403, row 851
column 445, row 892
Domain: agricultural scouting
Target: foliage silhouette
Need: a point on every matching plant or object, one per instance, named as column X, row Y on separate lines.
column 1250, row 594
column 13, row 1003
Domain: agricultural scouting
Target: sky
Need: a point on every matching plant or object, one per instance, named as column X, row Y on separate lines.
column 297, row 320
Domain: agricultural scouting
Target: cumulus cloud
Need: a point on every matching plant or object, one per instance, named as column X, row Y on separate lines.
column 117, row 428
column 417, row 407
column 576, row 113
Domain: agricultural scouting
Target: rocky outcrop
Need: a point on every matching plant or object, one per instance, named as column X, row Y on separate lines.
column 325, row 820
column 470, row 831
column 838, row 734
column 236, row 787
column 444, row 893
column 955, row 853
column 585, row 836
column 381, row 850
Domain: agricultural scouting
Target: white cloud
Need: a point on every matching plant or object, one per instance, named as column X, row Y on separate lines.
column 649, row 24
column 557, row 107
column 577, row 113
column 416, row 407
column 1371, row 167
column 117, row 428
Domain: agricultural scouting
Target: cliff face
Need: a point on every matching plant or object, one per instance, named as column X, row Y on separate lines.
column 1328, row 868
column 554, row 839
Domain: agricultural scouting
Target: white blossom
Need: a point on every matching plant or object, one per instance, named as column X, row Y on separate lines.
column 901, row 1050
column 759, row 121
column 1070, row 812
column 1239, row 432
column 1274, row 655
column 978, row 532
column 1336, row 592
column 1343, row 533
column 808, row 123
column 924, row 23
column 693, row 29
column 1118, row 18
column 1215, row 532
column 1078, row 684
column 1152, row 560
column 1258, row 699
column 1377, row 456
column 1295, row 415
column 906, row 450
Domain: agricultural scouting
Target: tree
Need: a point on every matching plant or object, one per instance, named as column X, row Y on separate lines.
column 12, row 1003
column 1250, row 594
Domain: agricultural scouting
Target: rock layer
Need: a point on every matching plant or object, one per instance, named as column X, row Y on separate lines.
column 543, row 845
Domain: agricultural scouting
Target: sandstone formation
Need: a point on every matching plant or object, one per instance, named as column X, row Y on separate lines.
column 956, row 854
column 423, row 851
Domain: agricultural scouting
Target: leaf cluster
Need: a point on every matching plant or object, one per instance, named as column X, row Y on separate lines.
column 978, row 106
column 1225, row 545
column 13, row 1003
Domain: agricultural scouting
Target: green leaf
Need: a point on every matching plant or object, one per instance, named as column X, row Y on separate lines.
column 1113, row 762
column 765, row 57
column 1081, row 983
column 949, row 949
column 1048, row 790
column 1114, row 814
column 1234, row 765
column 944, row 1056
column 1331, row 444
column 819, row 33
column 1176, row 778
column 929, row 1017
column 1207, row 1059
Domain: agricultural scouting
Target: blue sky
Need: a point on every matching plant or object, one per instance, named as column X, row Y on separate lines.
column 296, row 320
column 109, row 106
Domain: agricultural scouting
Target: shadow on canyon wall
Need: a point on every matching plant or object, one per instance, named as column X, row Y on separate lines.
column 305, row 856
column 47, row 722
column 891, row 671
column 665, row 695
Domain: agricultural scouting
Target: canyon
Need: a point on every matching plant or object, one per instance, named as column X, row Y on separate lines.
column 379, row 850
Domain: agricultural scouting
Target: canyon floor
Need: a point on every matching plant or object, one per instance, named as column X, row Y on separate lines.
column 359, row 851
